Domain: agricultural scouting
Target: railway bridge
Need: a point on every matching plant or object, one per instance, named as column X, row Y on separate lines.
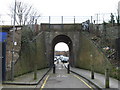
column 62, row 33
column 37, row 52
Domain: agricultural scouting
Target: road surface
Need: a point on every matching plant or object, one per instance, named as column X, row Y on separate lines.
column 63, row 80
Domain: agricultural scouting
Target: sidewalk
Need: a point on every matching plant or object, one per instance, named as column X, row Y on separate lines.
column 28, row 79
column 99, row 80
column 1, row 87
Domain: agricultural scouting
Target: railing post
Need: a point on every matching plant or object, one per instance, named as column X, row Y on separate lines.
column 68, row 69
column 49, row 22
column 54, row 68
column 74, row 23
column 74, row 19
column 107, row 78
column 62, row 27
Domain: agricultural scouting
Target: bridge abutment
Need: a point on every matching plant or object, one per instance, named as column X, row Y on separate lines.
column 69, row 35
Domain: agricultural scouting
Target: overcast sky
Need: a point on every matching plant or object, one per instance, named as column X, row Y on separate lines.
column 67, row 7
column 64, row 7
column 61, row 47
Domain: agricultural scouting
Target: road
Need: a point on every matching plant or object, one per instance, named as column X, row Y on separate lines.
column 63, row 80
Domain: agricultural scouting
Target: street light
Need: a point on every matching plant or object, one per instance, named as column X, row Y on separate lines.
column 12, row 63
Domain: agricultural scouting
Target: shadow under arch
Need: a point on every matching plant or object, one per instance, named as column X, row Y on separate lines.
column 68, row 41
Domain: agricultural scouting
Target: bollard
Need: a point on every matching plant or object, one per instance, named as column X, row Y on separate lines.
column 107, row 78
column 92, row 72
column 35, row 72
column 68, row 69
column 54, row 68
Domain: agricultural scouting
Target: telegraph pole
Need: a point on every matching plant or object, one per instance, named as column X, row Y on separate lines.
column 12, row 63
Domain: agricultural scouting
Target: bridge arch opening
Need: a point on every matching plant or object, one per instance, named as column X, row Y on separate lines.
column 61, row 46
column 61, row 53
column 65, row 39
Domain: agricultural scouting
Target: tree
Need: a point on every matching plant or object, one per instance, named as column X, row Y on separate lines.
column 112, row 19
column 1, row 20
column 24, row 13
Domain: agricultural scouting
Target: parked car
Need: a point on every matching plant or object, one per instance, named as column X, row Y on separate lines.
column 64, row 59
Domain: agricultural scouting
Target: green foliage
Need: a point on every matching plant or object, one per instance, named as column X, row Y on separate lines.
column 115, row 73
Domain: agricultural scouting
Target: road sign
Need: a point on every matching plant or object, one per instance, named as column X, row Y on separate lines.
column 3, row 36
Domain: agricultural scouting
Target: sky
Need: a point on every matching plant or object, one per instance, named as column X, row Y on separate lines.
column 62, row 7
column 61, row 47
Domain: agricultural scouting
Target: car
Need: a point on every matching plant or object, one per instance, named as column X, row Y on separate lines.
column 65, row 59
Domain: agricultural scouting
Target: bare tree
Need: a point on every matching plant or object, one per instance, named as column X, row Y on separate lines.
column 24, row 12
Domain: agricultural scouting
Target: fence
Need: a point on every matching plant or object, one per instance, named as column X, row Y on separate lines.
column 97, row 19
column 62, row 19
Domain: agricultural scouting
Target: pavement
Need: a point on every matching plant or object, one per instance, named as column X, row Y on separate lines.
column 26, row 80
column 99, row 79
column 0, row 86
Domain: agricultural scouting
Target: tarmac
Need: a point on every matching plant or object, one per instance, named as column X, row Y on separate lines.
column 28, row 79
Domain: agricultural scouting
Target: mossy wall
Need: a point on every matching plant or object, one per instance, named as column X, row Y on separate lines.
column 90, row 55
column 32, row 54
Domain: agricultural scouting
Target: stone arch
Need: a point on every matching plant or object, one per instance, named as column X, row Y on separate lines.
column 66, row 39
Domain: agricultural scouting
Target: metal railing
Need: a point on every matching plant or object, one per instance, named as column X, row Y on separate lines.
column 63, row 19
column 97, row 18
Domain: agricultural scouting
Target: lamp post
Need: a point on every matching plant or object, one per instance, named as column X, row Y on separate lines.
column 13, row 39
